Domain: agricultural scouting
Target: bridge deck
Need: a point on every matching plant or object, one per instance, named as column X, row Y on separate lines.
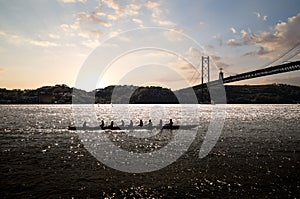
column 282, row 68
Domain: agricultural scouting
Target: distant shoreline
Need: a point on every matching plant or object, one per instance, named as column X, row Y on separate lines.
column 235, row 94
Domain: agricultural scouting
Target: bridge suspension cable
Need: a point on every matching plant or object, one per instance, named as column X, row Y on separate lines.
column 292, row 54
column 294, row 51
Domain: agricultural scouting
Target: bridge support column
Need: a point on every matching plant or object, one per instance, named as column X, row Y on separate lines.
column 204, row 74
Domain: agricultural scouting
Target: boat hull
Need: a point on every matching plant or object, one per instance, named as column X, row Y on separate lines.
column 173, row 127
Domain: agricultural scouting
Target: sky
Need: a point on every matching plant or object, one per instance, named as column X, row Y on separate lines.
column 141, row 42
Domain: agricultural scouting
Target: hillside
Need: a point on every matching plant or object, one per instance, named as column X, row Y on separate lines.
column 62, row 94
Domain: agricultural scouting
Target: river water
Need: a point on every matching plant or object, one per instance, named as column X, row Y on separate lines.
column 256, row 155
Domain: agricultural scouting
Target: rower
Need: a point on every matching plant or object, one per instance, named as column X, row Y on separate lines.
column 130, row 124
column 102, row 124
column 111, row 124
column 150, row 123
column 141, row 123
column 122, row 123
column 84, row 124
column 160, row 123
column 171, row 123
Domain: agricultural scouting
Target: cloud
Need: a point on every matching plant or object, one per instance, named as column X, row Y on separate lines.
column 156, row 15
column 247, row 38
column 218, row 63
column 194, row 52
column 111, row 4
column 92, row 18
column 152, row 4
column 91, row 43
column 2, row 33
column 233, row 30
column 53, row 36
column 87, row 25
column 283, row 35
column 215, row 57
column 174, row 35
column 183, row 65
column 193, row 59
column 43, row 43
column 1, row 70
column 137, row 21
column 201, row 23
column 260, row 52
column 233, row 42
column 121, row 11
column 14, row 39
column 90, row 33
column 287, row 33
column 165, row 23
column 90, row 25
column 222, row 65
column 74, row 1
column 209, row 47
column 260, row 16
column 64, row 27
column 20, row 40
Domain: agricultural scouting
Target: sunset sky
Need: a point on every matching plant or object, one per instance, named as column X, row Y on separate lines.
column 46, row 42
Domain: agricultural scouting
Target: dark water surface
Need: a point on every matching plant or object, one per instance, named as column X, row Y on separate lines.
column 257, row 155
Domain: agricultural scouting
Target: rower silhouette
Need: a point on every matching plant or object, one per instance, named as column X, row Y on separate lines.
column 102, row 124
column 150, row 123
column 160, row 123
column 141, row 123
column 122, row 123
column 84, row 124
column 130, row 124
column 170, row 123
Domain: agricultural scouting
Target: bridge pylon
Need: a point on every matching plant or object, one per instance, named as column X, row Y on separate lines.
column 204, row 74
column 205, row 70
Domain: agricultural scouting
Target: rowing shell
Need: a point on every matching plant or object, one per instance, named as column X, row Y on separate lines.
column 173, row 127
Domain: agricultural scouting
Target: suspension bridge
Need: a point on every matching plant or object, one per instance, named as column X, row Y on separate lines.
column 279, row 65
column 281, row 68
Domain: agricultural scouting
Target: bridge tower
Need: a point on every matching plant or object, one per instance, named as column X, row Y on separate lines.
column 204, row 74
column 205, row 70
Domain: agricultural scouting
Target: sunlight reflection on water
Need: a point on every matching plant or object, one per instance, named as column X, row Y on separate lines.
column 257, row 153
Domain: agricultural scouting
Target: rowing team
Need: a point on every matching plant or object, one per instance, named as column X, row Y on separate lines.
column 141, row 124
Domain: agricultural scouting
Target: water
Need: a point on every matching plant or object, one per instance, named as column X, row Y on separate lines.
column 257, row 154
